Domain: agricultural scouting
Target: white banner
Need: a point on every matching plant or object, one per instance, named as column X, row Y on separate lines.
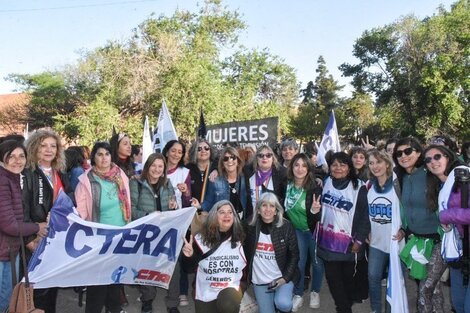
column 81, row 253
column 147, row 147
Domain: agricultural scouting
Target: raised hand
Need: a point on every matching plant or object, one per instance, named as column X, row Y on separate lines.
column 188, row 246
column 366, row 144
column 316, row 204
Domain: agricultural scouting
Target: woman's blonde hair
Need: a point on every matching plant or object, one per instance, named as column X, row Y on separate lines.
column 270, row 198
column 34, row 143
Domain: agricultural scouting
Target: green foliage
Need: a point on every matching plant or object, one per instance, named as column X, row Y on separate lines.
column 418, row 69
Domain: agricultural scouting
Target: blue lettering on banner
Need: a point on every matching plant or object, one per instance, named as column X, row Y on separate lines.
column 337, row 202
column 130, row 240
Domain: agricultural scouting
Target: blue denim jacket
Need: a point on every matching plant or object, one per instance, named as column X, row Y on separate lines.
column 220, row 190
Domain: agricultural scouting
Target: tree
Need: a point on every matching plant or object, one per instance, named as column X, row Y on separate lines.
column 320, row 97
column 418, row 69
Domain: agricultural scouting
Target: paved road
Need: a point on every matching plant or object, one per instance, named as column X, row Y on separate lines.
column 67, row 302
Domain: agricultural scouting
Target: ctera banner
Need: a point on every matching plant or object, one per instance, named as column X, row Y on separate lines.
column 257, row 132
column 82, row 253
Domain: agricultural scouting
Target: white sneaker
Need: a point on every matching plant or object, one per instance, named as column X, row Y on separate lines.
column 314, row 300
column 184, row 300
column 297, row 303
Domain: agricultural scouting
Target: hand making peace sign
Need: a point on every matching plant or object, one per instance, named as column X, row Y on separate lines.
column 316, row 204
column 188, row 246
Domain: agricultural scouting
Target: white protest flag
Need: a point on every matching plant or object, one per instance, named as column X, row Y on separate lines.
column 80, row 253
column 147, row 148
column 165, row 130
column 396, row 289
column 26, row 131
column 330, row 140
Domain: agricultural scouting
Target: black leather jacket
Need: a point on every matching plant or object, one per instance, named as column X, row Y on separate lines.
column 285, row 248
column 38, row 195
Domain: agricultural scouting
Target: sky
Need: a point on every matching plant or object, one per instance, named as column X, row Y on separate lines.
column 40, row 35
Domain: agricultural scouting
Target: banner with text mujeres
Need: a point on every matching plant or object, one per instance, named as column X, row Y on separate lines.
column 82, row 253
column 257, row 132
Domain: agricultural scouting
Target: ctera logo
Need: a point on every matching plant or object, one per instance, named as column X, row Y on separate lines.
column 118, row 274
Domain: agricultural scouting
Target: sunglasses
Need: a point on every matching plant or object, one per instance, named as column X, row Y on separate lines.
column 406, row 151
column 265, row 155
column 436, row 157
column 205, row 148
column 232, row 157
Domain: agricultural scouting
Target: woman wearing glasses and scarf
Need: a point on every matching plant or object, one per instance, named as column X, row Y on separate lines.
column 445, row 191
column 230, row 185
column 267, row 175
column 421, row 223
column 103, row 196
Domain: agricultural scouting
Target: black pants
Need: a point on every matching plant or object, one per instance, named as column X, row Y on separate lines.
column 339, row 276
column 228, row 301
column 107, row 296
column 45, row 299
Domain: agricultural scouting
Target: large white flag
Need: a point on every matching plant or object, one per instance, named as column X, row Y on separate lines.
column 147, row 148
column 396, row 289
column 81, row 253
column 330, row 140
column 165, row 130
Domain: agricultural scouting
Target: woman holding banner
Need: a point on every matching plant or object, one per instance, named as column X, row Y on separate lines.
column 152, row 192
column 445, row 170
column 218, row 253
column 13, row 161
column 103, row 196
column 43, row 179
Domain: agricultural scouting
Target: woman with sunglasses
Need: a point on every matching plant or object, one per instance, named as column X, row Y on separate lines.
column 230, row 185
column 201, row 163
column 442, row 164
column 421, row 224
column 267, row 175
column 343, row 229
column 301, row 193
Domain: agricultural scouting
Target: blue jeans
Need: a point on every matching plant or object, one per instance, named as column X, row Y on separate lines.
column 307, row 245
column 5, row 283
column 280, row 299
column 460, row 294
column 378, row 262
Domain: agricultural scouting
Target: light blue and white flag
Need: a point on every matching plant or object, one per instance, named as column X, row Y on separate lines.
column 330, row 140
column 165, row 130
column 81, row 253
column 147, row 148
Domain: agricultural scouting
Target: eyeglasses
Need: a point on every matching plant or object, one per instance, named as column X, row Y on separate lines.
column 406, row 151
column 205, row 148
column 265, row 155
column 436, row 157
column 232, row 157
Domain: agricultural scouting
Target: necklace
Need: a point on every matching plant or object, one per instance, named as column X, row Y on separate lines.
column 232, row 187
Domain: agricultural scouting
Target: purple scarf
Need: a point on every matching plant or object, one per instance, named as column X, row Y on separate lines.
column 261, row 176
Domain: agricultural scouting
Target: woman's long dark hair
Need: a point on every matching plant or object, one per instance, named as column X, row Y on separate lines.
column 344, row 158
column 168, row 146
column 416, row 145
column 127, row 166
column 309, row 180
column 433, row 183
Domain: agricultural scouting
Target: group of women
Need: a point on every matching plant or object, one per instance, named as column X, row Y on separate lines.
column 270, row 219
